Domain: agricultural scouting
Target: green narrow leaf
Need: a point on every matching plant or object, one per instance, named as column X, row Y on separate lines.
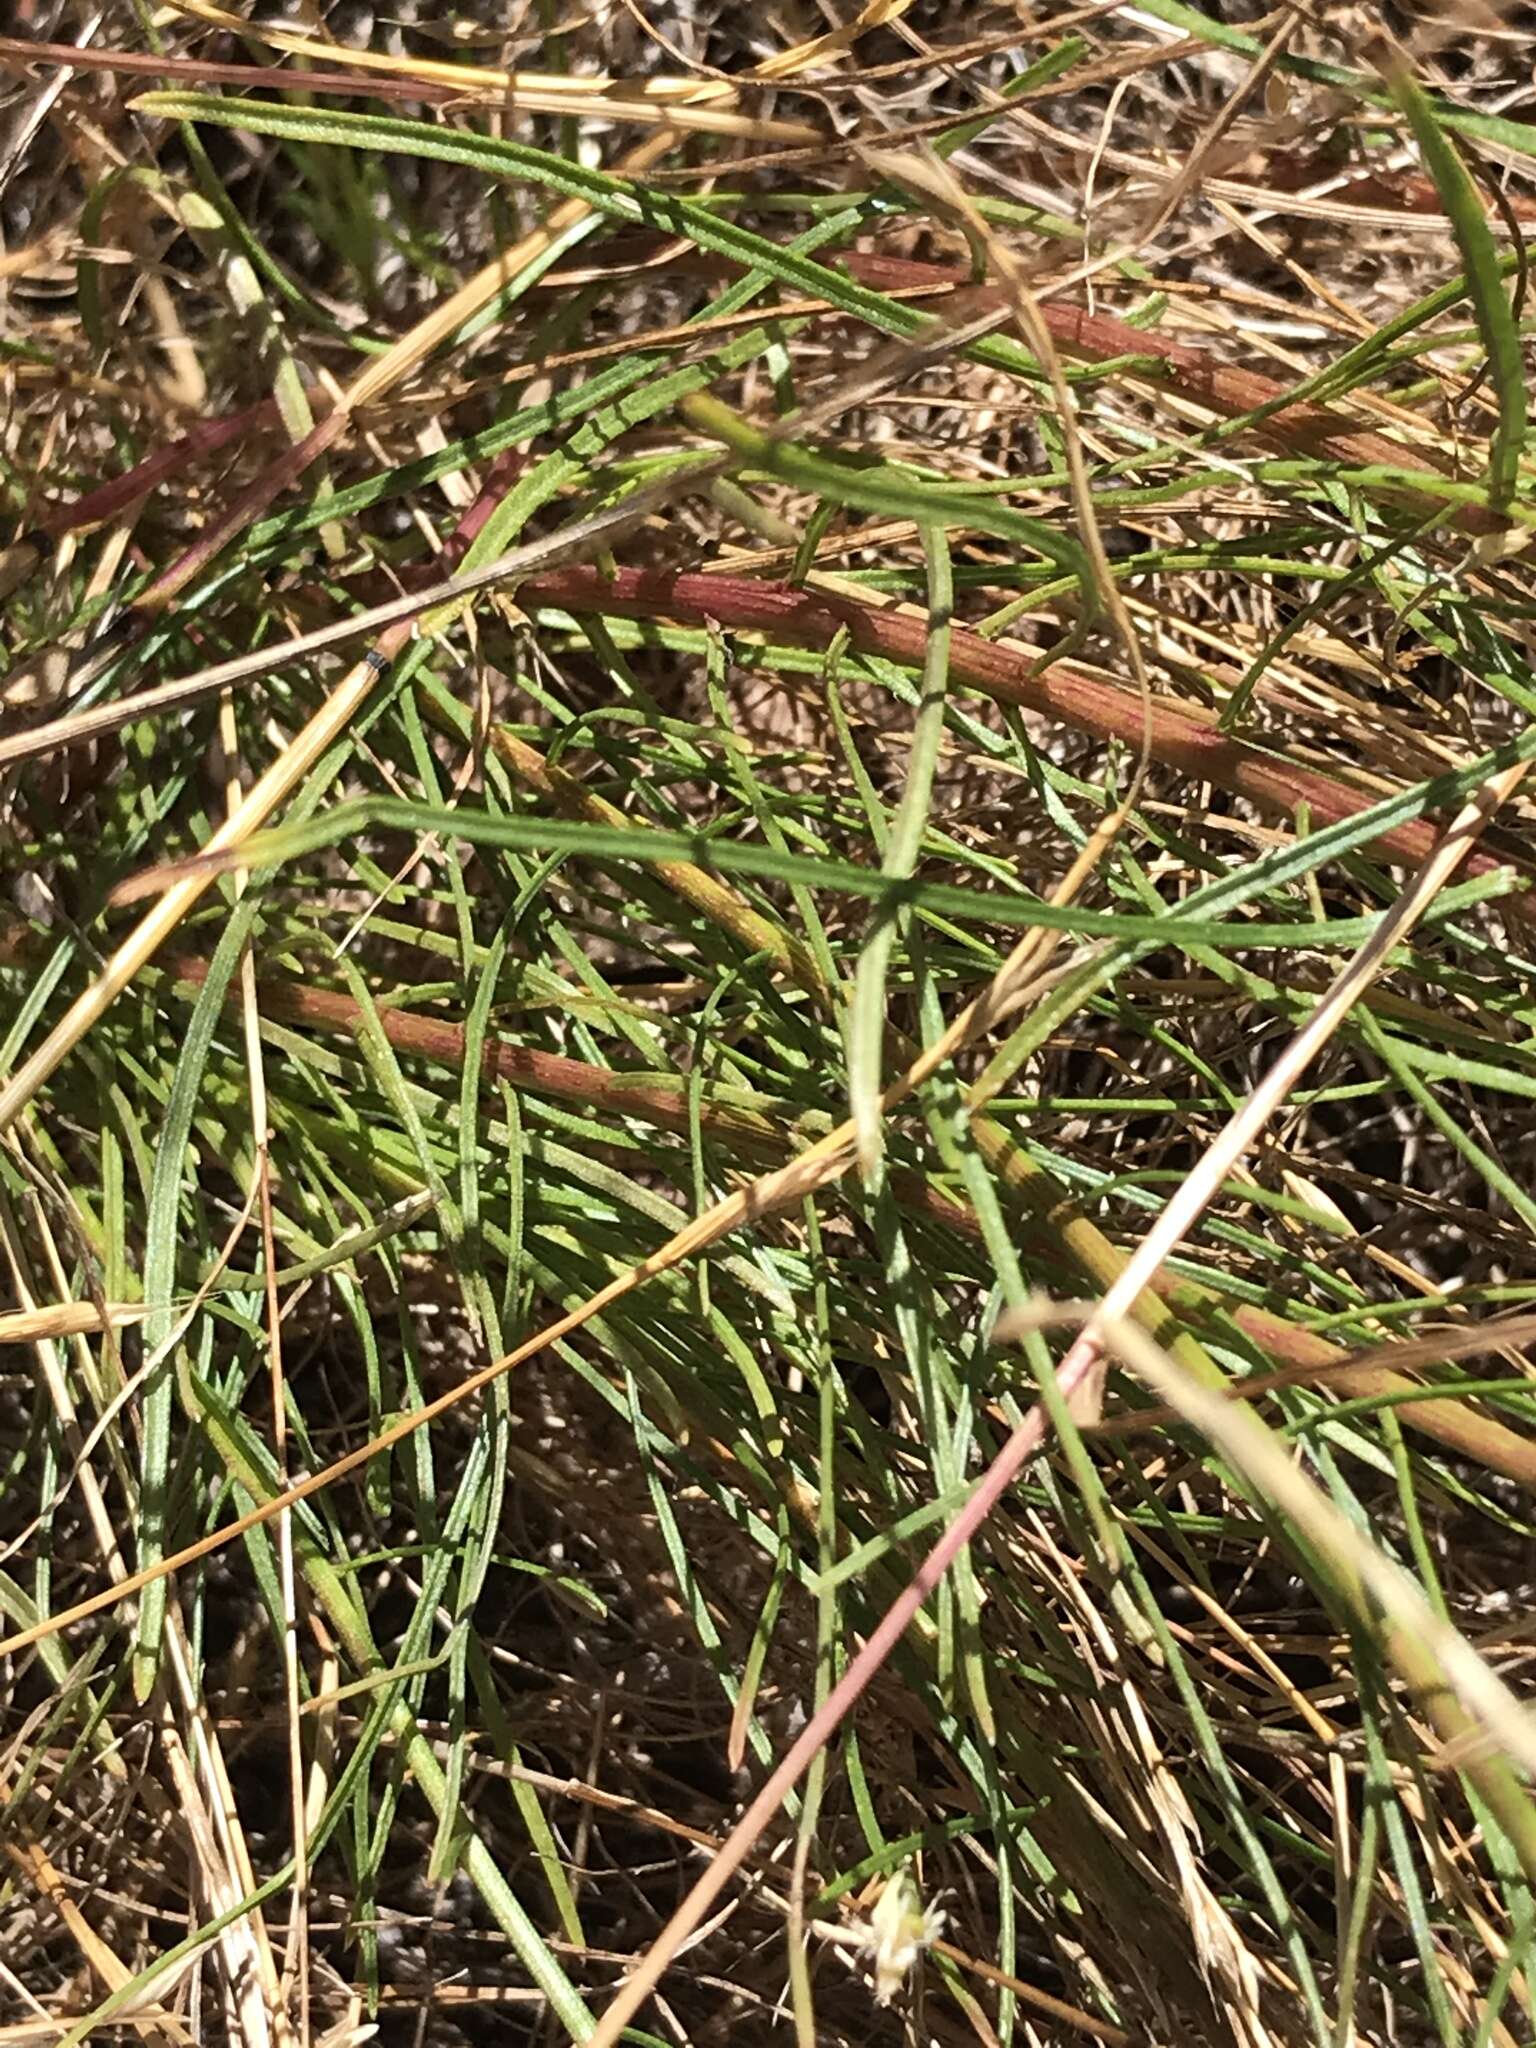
column 162, row 1243
column 867, row 1014
column 1012, row 907
column 1485, row 284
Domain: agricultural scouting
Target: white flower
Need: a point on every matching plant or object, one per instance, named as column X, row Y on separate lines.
column 898, row 1930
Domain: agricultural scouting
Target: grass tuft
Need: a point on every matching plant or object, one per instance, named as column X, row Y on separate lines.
column 766, row 1028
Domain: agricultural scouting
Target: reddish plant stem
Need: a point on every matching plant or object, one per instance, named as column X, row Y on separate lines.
column 207, row 438
column 247, row 507
column 1296, row 429
column 500, row 477
column 1304, row 1356
column 1183, row 737
column 523, row 1066
column 1387, row 191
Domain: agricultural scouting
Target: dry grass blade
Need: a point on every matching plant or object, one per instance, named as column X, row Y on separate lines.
column 1460, row 1692
column 67, row 1319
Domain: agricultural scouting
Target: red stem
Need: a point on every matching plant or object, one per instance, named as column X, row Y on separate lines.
column 1183, row 737
column 1301, row 428
column 248, row 506
column 204, row 439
